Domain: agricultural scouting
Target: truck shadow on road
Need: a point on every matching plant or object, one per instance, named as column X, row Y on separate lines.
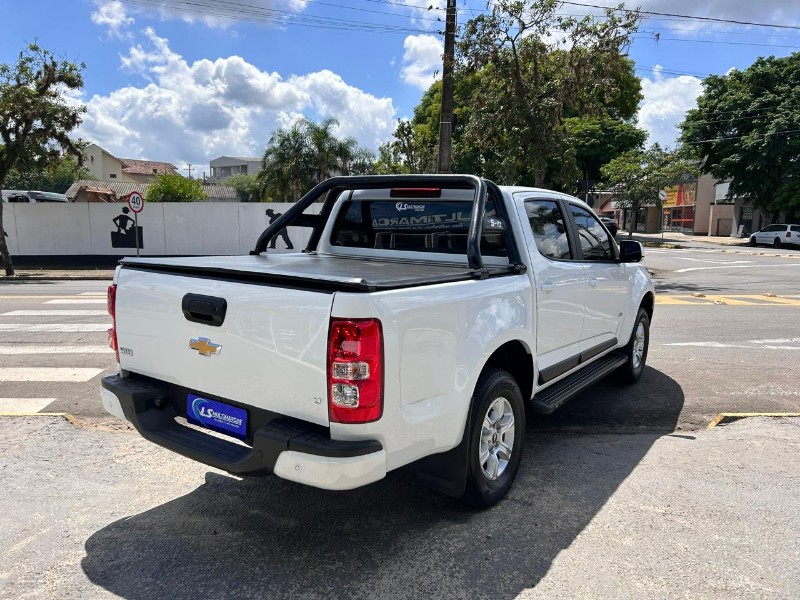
column 270, row 538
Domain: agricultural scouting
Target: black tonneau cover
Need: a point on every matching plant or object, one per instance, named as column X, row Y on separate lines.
column 325, row 273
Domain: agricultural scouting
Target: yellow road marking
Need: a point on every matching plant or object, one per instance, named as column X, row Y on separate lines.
column 729, row 299
column 776, row 300
column 66, row 416
column 723, row 416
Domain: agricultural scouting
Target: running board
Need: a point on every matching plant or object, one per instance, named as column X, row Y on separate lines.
column 550, row 399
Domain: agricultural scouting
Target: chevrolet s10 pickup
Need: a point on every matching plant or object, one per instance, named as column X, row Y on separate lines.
column 424, row 317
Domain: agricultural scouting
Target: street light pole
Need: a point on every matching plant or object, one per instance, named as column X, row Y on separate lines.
column 446, row 111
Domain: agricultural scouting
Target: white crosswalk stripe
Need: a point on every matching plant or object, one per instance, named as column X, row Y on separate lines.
column 47, row 374
column 47, row 367
column 53, row 327
column 82, row 301
column 55, row 313
column 24, row 405
column 20, row 349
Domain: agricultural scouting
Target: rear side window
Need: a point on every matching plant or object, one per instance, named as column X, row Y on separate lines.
column 595, row 243
column 412, row 225
column 549, row 229
column 796, row 228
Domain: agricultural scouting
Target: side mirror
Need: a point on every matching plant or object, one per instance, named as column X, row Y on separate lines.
column 493, row 225
column 630, row 251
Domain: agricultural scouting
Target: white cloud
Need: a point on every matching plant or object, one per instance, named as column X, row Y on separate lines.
column 112, row 15
column 666, row 100
column 195, row 112
column 422, row 61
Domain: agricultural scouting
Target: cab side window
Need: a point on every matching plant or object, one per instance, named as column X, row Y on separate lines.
column 595, row 243
column 549, row 229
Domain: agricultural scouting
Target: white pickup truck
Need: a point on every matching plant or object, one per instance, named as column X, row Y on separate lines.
column 423, row 317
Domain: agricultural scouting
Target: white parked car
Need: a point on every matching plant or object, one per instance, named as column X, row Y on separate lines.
column 423, row 315
column 777, row 236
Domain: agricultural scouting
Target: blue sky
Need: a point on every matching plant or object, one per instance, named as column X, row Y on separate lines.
column 176, row 80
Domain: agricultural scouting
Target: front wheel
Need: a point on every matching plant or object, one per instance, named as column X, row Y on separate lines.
column 776, row 243
column 636, row 350
column 753, row 241
column 496, row 436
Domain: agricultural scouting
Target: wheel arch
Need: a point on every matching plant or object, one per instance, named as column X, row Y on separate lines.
column 648, row 304
column 516, row 358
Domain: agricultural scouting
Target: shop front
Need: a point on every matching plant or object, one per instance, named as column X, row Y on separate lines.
column 678, row 210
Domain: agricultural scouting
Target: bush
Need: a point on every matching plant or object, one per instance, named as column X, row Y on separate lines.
column 175, row 188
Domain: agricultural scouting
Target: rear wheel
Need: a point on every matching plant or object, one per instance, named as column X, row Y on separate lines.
column 636, row 350
column 776, row 243
column 753, row 241
column 497, row 434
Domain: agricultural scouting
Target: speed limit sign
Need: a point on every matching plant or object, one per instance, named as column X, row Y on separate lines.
column 136, row 202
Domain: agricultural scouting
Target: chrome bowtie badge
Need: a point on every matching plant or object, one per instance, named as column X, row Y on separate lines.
column 205, row 346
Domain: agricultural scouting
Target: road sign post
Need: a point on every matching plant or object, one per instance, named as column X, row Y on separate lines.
column 136, row 204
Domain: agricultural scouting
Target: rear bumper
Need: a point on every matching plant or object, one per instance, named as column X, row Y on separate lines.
column 292, row 449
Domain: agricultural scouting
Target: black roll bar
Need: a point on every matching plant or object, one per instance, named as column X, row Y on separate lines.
column 335, row 185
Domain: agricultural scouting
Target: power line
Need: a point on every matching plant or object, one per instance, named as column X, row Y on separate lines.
column 680, row 16
column 704, row 41
column 740, row 137
column 248, row 12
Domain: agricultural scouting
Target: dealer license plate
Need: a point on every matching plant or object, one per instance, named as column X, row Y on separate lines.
column 218, row 416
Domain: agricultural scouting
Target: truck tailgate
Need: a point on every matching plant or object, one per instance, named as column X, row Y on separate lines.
column 269, row 352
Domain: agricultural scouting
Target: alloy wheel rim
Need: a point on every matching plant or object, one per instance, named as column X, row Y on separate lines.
column 638, row 346
column 497, row 438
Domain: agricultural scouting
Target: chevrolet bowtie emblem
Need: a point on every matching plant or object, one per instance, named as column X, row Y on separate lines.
column 205, row 346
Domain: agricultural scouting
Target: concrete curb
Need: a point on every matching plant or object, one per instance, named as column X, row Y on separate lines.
column 722, row 417
column 59, row 278
column 67, row 416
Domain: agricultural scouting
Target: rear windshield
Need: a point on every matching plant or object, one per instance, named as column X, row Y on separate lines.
column 413, row 225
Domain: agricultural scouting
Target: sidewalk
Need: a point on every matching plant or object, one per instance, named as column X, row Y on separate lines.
column 682, row 239
column 58, row 274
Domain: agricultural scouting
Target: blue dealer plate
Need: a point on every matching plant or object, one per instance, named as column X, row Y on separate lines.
column 216, row 415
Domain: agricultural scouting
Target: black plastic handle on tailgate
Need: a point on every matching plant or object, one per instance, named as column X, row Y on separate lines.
column 209, row 310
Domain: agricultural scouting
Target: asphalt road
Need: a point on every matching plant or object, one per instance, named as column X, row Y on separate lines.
column 91, row 513
column 734, row 350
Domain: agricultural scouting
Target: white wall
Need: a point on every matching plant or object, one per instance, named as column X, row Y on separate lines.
column 195, row 228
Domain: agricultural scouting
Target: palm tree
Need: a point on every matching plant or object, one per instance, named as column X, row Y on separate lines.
column 323, row 147
column 286, row 169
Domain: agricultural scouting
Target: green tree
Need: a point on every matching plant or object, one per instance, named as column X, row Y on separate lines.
column 637, row 176
column 54, row 176
column 746, row 128
column 247, row 187
column 175, row 188
column 35, row 117
column 530, row 84
column 306, row 154
column 597, row 140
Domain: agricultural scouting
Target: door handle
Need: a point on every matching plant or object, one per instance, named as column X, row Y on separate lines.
column 594, row 282
column 208, row 310
column 546, row 287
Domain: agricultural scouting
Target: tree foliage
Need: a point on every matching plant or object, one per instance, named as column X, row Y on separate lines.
column 54, row 176
column 35, row 116
column 637, row 176
column 538, row 67
column 175, row 188
column 746, row 128
column 247, row 187
column 598, row 140
column 305, row 154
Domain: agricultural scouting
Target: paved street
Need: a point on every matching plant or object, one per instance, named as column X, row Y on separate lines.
column 622, row 493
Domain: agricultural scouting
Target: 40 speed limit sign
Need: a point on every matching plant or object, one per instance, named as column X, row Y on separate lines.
column 136, row 202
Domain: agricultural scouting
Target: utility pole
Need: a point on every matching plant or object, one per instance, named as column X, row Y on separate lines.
column 446, row 111
column 189, row 165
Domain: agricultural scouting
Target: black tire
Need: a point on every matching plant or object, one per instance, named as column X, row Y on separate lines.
column 776, row 243
column 631, row 371
column 482, row 491
column 753, row 241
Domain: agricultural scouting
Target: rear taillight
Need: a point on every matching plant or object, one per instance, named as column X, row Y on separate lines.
column 112, row 310
column 355, row 370
column 788, row 234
